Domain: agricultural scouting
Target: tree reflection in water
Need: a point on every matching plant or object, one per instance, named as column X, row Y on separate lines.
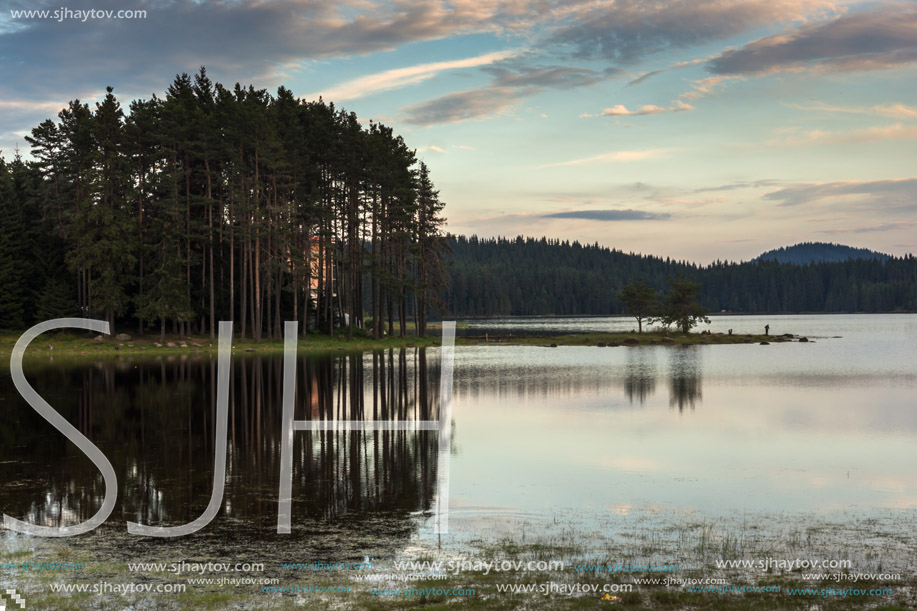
column 640, row 374
column 154, row 420
column 685, row 377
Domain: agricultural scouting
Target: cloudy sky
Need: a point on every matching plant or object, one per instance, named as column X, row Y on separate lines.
column 693, row 129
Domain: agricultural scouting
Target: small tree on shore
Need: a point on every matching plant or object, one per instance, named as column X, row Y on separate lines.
column 681, row 308
column 641, row 301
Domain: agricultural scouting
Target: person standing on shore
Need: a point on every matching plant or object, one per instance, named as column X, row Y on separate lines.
column 767, row 329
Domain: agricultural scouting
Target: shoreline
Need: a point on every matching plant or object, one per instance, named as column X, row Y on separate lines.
column 655, row 562
column 709, row 314
column 78, row 346
column 647, row 338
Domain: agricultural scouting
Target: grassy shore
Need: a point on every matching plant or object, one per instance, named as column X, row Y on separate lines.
column 76, row 345
column 692, row 547
column 634, row 339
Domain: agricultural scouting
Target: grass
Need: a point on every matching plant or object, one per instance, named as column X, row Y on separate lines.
column 634, row 339
column 686, row 543
column 79, row 345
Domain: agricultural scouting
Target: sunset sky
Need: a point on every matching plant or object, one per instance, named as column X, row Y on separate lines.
column 690, row 129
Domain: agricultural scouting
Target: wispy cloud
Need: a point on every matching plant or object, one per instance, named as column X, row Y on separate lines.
column 897, row 190
column 879, row 38
column 50, row 107
column 814, row 137
column 510, row 83
column 612, row 157
column 749, row 184
column 549, row 77
column 463, row 106
column 401, row 77
column 627, row 31
column 609, row 215
column 644, row 77
column 703, row 87
column 242, row 40
column 894, row 225
column 649, row 109
column 895, row 111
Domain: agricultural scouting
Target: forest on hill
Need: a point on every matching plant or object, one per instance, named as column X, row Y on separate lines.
column 213, row 204
column 528, row 276
column 818, row 252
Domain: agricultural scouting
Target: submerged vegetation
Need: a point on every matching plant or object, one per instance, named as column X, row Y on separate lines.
column 689, row 547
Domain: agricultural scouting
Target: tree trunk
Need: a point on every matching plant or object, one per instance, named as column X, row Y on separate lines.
column 210, row 233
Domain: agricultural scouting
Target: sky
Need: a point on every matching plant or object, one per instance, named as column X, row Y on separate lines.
column 692, row 129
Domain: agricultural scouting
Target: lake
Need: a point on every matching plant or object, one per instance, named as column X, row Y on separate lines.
column 651, row 451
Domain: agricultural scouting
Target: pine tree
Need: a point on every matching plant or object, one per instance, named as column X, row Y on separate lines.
column 215, row 203
column 110, row 229
column 430, row 247
column 11, row 312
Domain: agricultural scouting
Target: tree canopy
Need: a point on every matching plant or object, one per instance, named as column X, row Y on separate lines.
column 213, row 203
column 641, row 301
column 680, row 306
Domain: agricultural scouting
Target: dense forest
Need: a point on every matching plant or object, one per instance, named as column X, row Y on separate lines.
column 526, row 276
column 818, row 252
column 214, row 204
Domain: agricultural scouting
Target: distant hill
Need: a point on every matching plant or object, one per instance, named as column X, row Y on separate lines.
column 819, row 252
column 538, row 277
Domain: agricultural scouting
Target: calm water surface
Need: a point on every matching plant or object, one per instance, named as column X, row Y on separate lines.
column 601, row 439
column 819, row 426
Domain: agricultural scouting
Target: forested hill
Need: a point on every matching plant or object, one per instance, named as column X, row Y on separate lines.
column 818, row 252
column 527, row 276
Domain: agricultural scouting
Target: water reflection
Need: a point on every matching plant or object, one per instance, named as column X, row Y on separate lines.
column 612, row 378
column 684, row 377
column 640, row 375
column 155, row 422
